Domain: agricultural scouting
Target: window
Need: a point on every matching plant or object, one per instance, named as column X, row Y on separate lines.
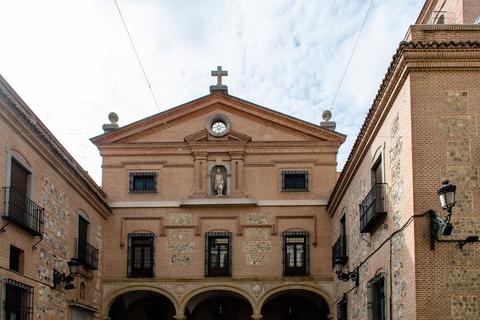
column 140, row 255
column 143, row 182
column 16, row 259
column 342, row 309
column 376, row 174
column 218, row 254
column 377, row 298
column 294, row 180
column 18, row 301
column 339, row 250
column 19, row 209
column 295, row 251
column 19, row 177
column 85, row 253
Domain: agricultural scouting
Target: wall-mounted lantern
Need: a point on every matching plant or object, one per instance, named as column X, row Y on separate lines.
column 440, row 225
column 345, row 276
column 59, row 278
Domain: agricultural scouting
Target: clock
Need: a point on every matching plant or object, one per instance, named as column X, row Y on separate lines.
column 219, row 127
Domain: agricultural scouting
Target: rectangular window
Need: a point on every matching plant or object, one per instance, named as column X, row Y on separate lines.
column 143, row 182
column 295, row 250
column 16, row 259
column 342, row 309
column 377, row 298
column 18, row 301
column 140, row 255
column 218, row 257
column 294, row 181
column 376, row 174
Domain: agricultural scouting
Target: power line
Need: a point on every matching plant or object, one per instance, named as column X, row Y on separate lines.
column 136, row 54
column 351, row 55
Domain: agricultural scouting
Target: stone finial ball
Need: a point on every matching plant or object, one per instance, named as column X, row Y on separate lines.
column 327, row 115
column 113, row 117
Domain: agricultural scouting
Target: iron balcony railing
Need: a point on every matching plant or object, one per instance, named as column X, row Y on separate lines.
column 373, row 207
column 86, row 254
column 339, row 251
column 23, row 212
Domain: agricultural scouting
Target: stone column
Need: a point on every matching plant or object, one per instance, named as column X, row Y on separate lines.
column 237, row 160
column 200, row 176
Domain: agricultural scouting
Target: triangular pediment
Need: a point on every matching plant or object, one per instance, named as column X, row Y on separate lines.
column 187, row 123
column 203, row 135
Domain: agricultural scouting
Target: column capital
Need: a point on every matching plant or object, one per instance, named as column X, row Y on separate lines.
column 257, row 317
column 179, row 317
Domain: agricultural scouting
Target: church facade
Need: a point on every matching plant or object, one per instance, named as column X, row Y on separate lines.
column 220, row 205
column 223, row 209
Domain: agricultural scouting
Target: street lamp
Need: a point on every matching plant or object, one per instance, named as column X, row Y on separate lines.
column 60, row 277
column 440, row 225
column 345, row 276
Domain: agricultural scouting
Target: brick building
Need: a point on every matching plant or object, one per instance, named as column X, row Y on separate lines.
column 223, row 209
column 421, row 129
column 52, row 212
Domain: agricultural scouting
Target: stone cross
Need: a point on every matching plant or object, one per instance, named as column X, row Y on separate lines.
column 219, row 74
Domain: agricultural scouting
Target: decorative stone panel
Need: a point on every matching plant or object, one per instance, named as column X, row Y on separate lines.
column 456, row 101
column 464, row 307
column 256, row 218
column 256, row 246
column 460, row 126
column 464, row 257
column 180, row 219
column 256, row 233
column 458, row 151
column 463, row 176
column 464, row 203
column 181, row 247
column 462, row 280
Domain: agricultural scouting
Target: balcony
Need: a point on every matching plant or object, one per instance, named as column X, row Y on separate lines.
column 86, row 254
column 373, row 208
column 339, row 251
column 23, row 212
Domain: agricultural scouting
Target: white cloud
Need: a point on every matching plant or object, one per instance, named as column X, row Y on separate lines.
column 72, row 63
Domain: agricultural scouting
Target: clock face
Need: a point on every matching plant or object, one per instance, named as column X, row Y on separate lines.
column 219, row 127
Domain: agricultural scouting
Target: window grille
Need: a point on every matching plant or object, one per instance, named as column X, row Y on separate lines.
column 141, row 259
column 218, row 254
column 377, row 298
column 143, row 182
column 295, row 254
column 295, row 181
column 18, row 300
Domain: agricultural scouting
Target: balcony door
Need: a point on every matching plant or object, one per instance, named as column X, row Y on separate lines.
column 19, row 177
column 82, row 238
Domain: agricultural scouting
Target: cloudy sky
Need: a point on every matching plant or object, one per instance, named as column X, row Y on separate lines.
column 71, row 61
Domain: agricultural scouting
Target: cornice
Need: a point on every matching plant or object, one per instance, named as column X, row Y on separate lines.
column 413, row 55
column 22, row 116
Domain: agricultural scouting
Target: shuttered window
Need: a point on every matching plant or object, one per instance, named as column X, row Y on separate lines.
column 295, row 253
column 141, row 255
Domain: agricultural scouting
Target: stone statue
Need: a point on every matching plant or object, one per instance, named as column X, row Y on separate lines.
column 219, row 182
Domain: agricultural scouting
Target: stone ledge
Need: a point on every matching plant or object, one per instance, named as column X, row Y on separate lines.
column 216, row 202
column 226, row 202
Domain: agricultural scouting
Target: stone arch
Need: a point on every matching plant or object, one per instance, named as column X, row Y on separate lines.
column 184, row 301
column 270, row 293
column 110, row 298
